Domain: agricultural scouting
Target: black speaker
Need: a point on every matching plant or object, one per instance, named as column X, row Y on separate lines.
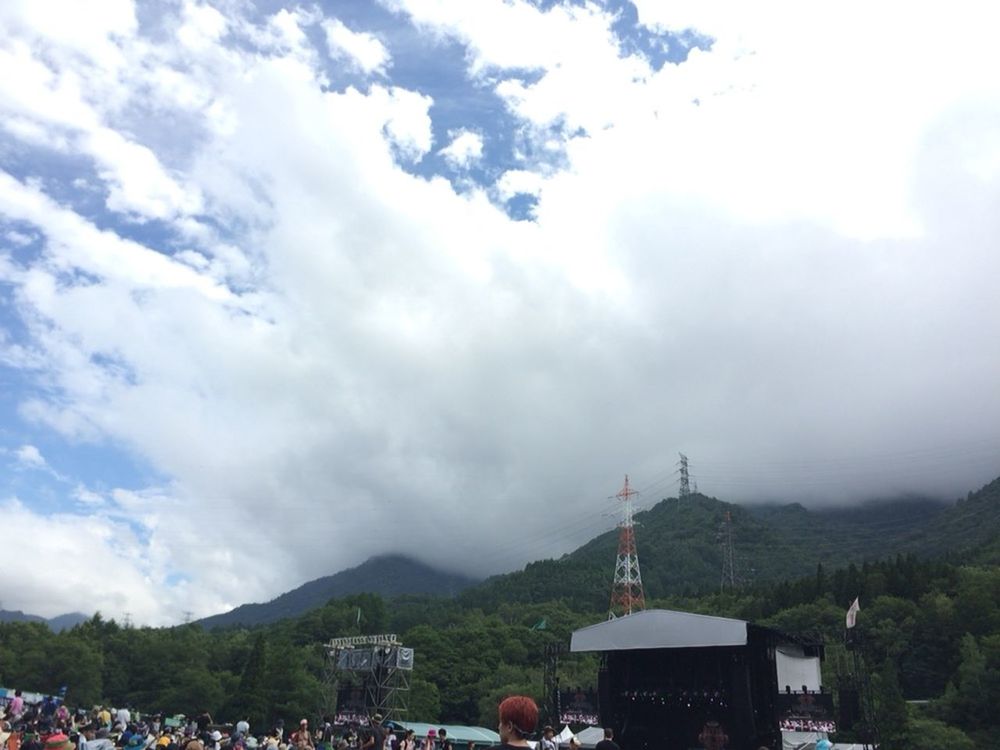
column 850, row 708
column 605, row 704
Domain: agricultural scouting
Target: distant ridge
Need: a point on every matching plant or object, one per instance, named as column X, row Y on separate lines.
column 387, row 575
column 57, row 624
column 680, row 553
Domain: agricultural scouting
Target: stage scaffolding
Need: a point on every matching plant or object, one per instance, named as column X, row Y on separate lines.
column 367, row 675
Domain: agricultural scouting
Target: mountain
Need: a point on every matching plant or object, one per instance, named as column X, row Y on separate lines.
column 680, row 550
column 680, row 553
column 67, row 621
column 388, row 575
column 56, row 624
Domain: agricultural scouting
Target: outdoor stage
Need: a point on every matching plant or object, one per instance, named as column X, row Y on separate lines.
column 679, row 681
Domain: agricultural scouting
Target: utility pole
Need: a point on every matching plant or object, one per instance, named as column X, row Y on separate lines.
column 626, row 590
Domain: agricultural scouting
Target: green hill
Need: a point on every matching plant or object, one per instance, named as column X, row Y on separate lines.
column 680, row 554
column 387, row 576
column 680, row 550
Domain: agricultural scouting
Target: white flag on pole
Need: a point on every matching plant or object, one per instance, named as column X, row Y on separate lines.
column 852, row 614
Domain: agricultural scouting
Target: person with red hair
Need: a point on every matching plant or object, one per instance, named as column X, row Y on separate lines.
column 518, row 717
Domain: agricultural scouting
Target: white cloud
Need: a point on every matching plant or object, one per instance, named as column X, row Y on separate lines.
column 519, row 181
column 18, row 238
column 361, row 355
column 88, row 497
column 50, row 107
column 465, row 149
column 30, row 456
column 202, row 26
column 102, row 565
column 81, row 245
column 407, row 122
column 361, row 49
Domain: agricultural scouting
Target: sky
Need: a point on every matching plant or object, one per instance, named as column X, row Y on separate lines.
column 284, row 286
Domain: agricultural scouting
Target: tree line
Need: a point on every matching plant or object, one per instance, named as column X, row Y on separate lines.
column 931, row 629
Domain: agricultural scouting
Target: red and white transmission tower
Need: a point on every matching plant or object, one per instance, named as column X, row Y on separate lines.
column 626, row 591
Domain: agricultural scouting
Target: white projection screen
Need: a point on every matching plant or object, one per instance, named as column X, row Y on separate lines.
column 795, row 669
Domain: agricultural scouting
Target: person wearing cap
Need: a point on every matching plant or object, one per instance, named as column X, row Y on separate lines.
column 430, row 741
column 58, row 741
column 518, row 716
column 31, row 740
column 548, row 738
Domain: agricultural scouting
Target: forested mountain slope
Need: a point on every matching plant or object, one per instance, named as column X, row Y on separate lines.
column 388, row 576
column 680, row 548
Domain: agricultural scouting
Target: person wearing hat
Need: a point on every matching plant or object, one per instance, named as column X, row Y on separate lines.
column 58, row 741
column 548, row 738
column 430, row 741
column 99, row 740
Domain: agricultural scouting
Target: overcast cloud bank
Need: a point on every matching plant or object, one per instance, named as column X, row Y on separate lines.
column 310, row 317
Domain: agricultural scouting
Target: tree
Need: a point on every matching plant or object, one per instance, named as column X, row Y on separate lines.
column 968, row 701
column 250, row 699
column 425, row 701
column 892, row 717
column 931, row 734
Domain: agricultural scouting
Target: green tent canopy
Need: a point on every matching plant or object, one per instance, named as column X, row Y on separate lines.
column 457, row 734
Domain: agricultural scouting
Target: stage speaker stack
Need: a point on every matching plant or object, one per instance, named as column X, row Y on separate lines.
column 850, row 708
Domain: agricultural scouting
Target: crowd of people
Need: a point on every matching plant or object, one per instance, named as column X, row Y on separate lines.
column 49, row 724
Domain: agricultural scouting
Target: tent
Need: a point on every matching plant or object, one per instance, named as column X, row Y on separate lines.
column 590, row 736
column 457, row 734
column 808, row 740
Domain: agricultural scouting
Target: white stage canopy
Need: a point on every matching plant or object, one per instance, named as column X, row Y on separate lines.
column 660, row 628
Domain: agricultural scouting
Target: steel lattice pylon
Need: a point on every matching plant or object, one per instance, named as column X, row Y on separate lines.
column 626, row 590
